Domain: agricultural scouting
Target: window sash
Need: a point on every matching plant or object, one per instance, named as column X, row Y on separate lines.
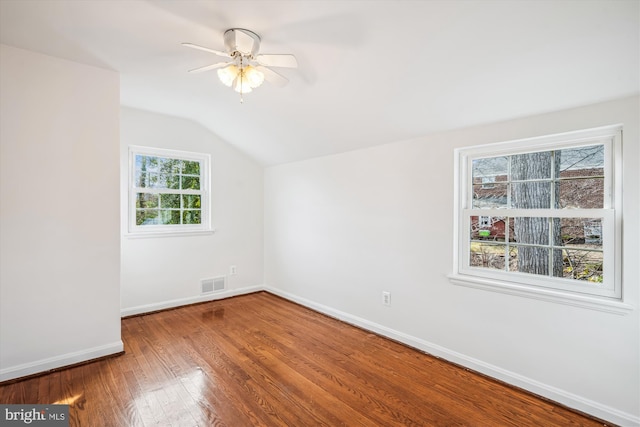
column 606, row 289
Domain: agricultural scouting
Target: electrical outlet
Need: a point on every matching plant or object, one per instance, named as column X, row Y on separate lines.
column 386, row 298
column 232, row 270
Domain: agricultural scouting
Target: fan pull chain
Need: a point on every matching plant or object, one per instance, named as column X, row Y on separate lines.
column 241, row 89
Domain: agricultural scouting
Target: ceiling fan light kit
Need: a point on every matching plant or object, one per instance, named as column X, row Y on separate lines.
column 246, row 69
column 242, row 79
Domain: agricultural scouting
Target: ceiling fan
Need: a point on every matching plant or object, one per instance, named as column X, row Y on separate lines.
column 246, row 69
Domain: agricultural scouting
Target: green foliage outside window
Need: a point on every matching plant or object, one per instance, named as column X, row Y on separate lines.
column 156, row 204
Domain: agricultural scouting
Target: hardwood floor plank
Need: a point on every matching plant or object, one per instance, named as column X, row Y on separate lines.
column 117, row 376
column 259, row 360
column 298, row 359
column 382, row 398
column 230, row 375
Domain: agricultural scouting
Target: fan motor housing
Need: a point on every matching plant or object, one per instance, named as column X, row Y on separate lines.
column 241, row 40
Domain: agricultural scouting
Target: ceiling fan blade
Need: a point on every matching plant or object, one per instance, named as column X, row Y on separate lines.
column 278, row 60
column 206, row 49
column 210, row 67
column 273, row 77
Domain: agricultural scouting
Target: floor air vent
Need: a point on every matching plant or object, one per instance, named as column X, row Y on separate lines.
column 215, row 284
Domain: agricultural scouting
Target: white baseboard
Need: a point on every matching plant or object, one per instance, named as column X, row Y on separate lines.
column 148, row 308
column 68, row 359
column 561, row 396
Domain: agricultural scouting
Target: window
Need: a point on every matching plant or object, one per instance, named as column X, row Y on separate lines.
column 541, row 216
column 168, row 191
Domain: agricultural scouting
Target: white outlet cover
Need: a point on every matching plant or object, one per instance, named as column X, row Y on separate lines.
column 386, row 298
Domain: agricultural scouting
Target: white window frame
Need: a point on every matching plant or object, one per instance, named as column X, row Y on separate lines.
column 606, row 297
column 160, row 230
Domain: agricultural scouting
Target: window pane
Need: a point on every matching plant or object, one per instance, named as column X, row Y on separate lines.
column 492, row 169
column 487, row 255
column 143, row 163
column 190, row 183
column 191, row 201
column 584, row 193
column 533, row 231
column 531, row 195
column 532, row 166
column 169, row 216
column 146, row 163
column 139, row 161
column 488, row 228
column 165, row 164
column 191, row 168
column 170, row 201
column 494, row 196
column 191, row 217
column 145, row 200
column 146, row 216
column 142, row 179
column 169, row 181
column 532, row 260
column 582, row 161
column 582, row 265
column 578, row 232
column 169, row 166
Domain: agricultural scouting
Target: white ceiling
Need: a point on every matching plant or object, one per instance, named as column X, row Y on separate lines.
column 371, row 72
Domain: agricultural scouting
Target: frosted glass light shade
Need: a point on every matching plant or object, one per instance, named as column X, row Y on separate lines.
column 253, row 76
column 228, row 74
column 243, row 79
column 241, row 84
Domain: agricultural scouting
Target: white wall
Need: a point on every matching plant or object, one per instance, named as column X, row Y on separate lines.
column 160, row 272
column 341, row 229
column 59, row 210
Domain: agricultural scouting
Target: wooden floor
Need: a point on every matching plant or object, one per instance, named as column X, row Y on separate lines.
column 258, row 360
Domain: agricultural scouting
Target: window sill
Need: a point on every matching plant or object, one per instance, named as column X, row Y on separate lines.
column 154, row 234
column 550, row 295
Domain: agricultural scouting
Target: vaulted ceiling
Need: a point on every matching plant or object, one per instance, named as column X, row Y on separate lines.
column 370, row 72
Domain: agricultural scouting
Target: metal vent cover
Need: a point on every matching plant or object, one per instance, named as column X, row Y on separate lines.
column 214, row 284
